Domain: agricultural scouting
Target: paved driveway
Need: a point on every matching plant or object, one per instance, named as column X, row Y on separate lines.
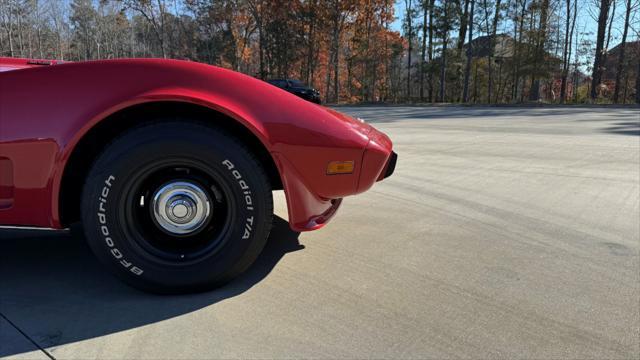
column 505, row 232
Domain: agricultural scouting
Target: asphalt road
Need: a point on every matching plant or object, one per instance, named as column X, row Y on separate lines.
column 504, row 233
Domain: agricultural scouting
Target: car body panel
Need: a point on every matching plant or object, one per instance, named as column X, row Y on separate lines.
column 46, row 110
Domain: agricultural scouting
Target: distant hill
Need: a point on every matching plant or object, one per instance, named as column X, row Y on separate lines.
column 632, row 56
column 480, row 46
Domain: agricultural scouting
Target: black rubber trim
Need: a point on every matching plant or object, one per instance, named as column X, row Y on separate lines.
column 391, row 166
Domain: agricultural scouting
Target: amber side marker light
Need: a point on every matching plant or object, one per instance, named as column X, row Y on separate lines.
column 340, row 167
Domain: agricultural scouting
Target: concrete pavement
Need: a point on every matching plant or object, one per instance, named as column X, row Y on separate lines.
column 504, row 233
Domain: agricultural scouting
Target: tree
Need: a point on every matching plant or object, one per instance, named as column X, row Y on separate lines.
column 338, row 16
column 568, row 40
column 444, row 26
column 57, row 15
column 83, row 19
column 492, row 44
column 467, row 70
column 431, row 6
column 155, row 12
column 425, row 14
column 638, row 84
column 462, row 29
column 519, row 14
column 463, row 18
column 540, row 40
column 598, row 62
column 257, row 7
column 409, row 31
column 7, row 19
column 348, row 48
column 621, row 58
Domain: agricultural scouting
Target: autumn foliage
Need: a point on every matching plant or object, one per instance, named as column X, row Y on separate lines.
column 468, row 51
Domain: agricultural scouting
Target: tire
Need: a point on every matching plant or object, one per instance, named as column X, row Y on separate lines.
column 176, row 206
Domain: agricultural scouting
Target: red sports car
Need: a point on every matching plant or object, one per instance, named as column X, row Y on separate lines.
column 169, row 165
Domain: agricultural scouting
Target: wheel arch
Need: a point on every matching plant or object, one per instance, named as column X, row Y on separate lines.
column 100, row 134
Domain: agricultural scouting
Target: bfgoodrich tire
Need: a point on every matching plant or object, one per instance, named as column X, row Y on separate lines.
column 176, row 206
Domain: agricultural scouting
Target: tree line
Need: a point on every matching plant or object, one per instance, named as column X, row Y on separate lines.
column 445, row 51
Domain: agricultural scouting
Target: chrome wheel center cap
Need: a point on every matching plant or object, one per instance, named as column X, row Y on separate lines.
column 181, row 210
column 181, row 207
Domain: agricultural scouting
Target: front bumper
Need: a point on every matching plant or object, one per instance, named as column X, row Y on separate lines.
column 376, row 160
column 312, row 200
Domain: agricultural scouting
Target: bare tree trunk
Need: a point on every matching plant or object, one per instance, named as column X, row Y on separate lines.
column 336, row 66
column 467, row 70
column 10, row 29
column 626, row 87
column 388, row 61
column 328, row 80
column 255, row 7
column 462, row 30
column 20, row 36
column 613, row 16
column 565, row 53
column 39, row 30
column 620, row 68
column 534, row 93
column 499, row 83
column 10, row 33
column 462, row 33
column 576, row 80
column 430, row 50
column 367, row 91
column 445, row 38
column 598, row 63
column 311, row 42
column 425, row 12
column 409, row 15
column 492, row 45
column 638, row 84
column 516, row 50
column 606, row 44
column 330, row 64
column 571, row 32
column 443, row 70
column 519, row 25
column 2, row 51
column 475, row 84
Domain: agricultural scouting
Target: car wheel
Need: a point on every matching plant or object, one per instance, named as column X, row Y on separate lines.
column 176, row 207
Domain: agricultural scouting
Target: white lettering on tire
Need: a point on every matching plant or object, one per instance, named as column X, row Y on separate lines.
column 248, row 199
column 104, row 229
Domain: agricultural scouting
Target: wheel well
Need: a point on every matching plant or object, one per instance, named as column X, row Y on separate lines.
column 92, row 143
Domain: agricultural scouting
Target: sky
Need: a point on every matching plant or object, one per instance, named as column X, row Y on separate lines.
column 584, row 23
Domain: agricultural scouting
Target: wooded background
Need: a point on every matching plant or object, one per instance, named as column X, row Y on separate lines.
column 456, row 51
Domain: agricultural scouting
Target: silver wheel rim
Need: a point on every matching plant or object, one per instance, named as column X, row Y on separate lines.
column 181, row 207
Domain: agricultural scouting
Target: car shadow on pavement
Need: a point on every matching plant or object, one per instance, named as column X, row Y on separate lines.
column 53, row 289
column 618, row 120
column 624, row 128
column 392, row 114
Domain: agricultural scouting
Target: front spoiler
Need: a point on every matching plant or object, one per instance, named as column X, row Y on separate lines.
column 391, row 166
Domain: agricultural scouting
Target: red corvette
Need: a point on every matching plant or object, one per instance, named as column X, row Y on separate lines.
column 169, row 165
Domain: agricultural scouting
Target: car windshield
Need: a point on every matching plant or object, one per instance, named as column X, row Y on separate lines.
column 278, row 83
column 297, row 83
